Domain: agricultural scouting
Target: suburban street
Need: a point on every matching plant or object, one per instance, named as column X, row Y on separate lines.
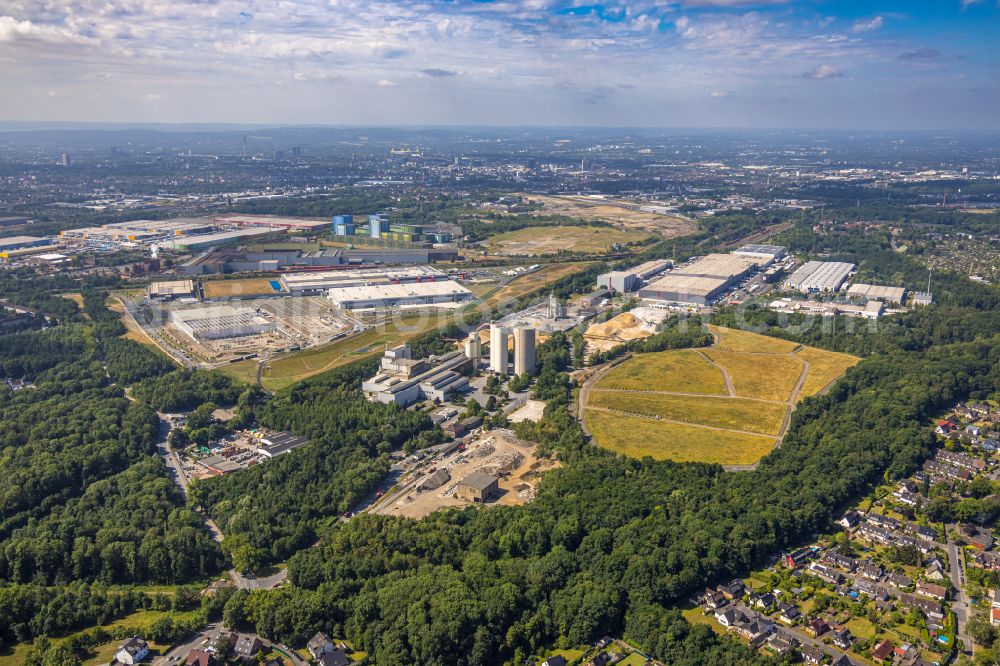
column 961, row 603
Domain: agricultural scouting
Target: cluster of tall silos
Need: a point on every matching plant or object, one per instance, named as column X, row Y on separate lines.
column 524, row 349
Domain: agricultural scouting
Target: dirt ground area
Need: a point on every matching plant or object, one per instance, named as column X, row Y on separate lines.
column 623, row 214
column 639, row 323
column 536, row 241
column 248, row 287
column 496, row 452
column 530, row 411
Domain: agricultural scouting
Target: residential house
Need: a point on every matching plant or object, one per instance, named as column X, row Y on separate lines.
column 995, row 617
column 734, row 589
column 319, row 645
column 883, row 651
column 761, row 601
column 555, row 660
column 825, row 573
column 601, row 659
column 812, row 655
column 132, row 651
column 842, row 660
column 885, row 522
column 871, row 570
column 986, row 560
column 817, row 627
column 871, row 590
column 850, row 520
column 934, row 571
column 898, row 580
column 930, row 608
column 788, row 613
column 714, row 599
column 931, row 590
column 247, row 647
column 198, row 658
column 980, row 539
column 797, row 558
column 835, row 559
column 842, row 638
column 780, row 642
column 729, row 617
column 335, row 657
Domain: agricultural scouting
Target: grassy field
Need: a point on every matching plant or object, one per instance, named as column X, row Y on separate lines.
column 283, row 372
column 765, row 418
column 764, row 372
column 679, row 371
column 731, row 339
column 695, row 615
column 638, row 437
column 550, row 240
column 622, row 214
column 248, row 287
column 530, row 282
column 101, row 654
column 761, row 376
column 825, row 367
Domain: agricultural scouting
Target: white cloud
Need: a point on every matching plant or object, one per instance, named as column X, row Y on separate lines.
column 14, row 30
column 386, row 83
column 720, row 94
column 870, row 25
column 823, row 72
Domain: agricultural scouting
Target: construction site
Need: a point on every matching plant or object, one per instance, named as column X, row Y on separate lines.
column 494, row 468
column 219, row 333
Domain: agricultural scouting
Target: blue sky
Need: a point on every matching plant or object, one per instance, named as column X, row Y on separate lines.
column 687, row 63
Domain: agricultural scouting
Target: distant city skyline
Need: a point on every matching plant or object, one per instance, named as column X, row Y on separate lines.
column 689, row 63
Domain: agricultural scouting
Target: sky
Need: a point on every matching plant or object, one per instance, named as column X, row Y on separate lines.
column 892, row 64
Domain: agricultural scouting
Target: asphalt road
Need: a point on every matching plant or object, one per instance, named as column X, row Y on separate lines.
column 961, row 604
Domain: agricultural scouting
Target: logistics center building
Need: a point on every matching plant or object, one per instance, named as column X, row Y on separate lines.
column 817, row 276
column 699, row 281
column 221, row 321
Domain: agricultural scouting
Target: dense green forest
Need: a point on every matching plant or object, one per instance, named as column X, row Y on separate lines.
column 270, row 511
column 610, row 544
column 85, row 500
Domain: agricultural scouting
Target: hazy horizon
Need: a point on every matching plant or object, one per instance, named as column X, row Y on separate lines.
column 846, row 64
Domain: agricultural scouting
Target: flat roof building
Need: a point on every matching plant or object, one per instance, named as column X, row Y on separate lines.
column 403, row 381
column 318, row 282
column 923, row 298
column 819, row 276
column 477, row 487
column 170, row 289
column 12, row 220
column 696, row 290
column 221, row 321
column 18, row 242
column 399, row 295
column 763, row 253
column 728, row 266
column 877, row 292
column 279, row 443
column 287, row 223
column 221, row 238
